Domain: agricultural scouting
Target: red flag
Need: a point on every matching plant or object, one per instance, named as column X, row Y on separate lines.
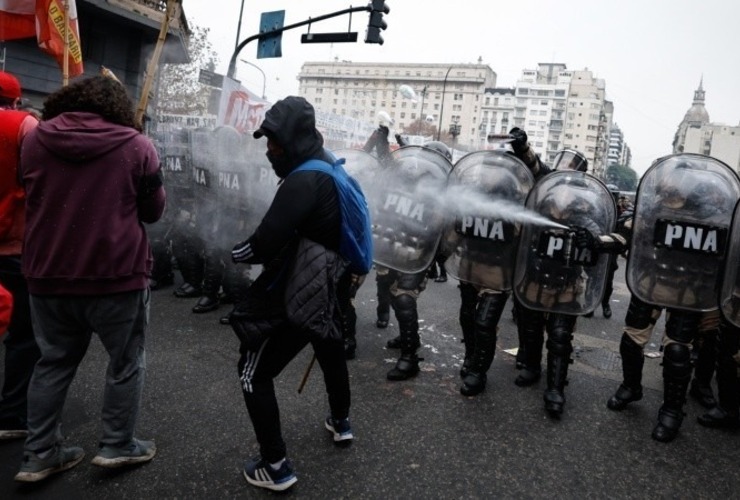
column 50, row 23
column 45, row 20
column 17, row 19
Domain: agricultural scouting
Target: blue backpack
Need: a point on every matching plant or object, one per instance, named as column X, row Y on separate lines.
column 356, row 239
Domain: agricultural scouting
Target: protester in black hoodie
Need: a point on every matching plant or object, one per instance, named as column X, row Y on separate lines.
column 306, row 206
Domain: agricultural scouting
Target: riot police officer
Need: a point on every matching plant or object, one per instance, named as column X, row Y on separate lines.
column 561, row 274
column 483, row 260
column 682, row 211
column 408, row 222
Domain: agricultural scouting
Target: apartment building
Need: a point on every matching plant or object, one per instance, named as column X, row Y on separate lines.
column 447, row 95
column 618, row 151
column 557, row 107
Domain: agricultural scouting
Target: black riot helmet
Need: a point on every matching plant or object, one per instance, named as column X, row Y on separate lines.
column 440, row 148
column 570, row 159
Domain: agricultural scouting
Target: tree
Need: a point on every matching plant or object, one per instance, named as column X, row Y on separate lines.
column 420, row 127
column 622, row 176
column 179, row 91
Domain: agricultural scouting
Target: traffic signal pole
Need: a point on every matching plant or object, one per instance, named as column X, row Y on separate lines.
column 232, row 62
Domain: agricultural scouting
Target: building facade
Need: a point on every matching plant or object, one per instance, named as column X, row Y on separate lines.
column 618, row 151
column 696, row 134
column 447, row 95
column 557, row 107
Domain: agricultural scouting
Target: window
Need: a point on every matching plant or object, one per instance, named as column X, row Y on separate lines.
column 458, row 97
column 522, row 91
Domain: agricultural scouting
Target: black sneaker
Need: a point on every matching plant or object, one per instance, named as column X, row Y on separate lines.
column 340, row 428
column 260, row 473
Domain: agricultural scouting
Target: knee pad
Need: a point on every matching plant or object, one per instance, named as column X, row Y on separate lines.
column 489, row 310
column 404, row 306
column 560, row 334
column 640, row 315
column 676, row 360
column 681, row 326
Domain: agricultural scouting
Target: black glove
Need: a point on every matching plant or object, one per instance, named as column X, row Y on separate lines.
column 519, row 144
column 584, row 238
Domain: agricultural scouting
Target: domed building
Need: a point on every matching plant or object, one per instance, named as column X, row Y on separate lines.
column 695, row 117
column 696, row 134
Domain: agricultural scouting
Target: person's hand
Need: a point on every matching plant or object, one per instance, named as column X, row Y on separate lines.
column 519, row 144
column 585, row 238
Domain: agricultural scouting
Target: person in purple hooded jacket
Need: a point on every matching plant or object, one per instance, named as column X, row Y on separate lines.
column 91, row 180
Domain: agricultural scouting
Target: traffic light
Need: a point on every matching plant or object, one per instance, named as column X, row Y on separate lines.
column 376, row 23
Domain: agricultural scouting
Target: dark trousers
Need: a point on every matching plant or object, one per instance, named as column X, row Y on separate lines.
column 258, row 368
column 21, row 351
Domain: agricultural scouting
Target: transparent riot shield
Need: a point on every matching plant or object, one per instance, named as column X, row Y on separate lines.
column 174, row 150
column 680, row 232
column 485, row 190
column 262, row 182
column 730, row 291
column 407, row 208
column 553, row 274
column 361, row 166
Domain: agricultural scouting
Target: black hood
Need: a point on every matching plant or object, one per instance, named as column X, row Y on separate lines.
column 291, row 122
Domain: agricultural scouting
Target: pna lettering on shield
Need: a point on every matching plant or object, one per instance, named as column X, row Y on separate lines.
column 691, row 238
column 405, row 206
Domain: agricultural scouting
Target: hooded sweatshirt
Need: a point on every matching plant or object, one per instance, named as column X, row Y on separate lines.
column 306, row 203
column 89, row 186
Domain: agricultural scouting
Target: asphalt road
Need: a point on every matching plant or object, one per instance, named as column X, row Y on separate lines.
column 414, row 439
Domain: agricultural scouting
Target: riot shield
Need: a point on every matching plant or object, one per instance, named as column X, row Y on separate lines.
column 553, row 274
column 680, row 232
column 479, row 239
column 406, row 207
column 230, row 169
column 262, row 182
column 361, row 166
column 730, row 292
column 176, row 158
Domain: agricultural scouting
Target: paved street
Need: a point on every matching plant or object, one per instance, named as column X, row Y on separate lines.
column 414, row 439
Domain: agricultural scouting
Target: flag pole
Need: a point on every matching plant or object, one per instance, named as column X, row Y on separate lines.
column 65, row 53
column 154, row 61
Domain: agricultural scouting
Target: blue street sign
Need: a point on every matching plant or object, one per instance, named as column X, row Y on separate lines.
column 270, row 46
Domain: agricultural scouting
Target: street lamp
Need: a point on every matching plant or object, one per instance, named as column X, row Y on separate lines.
column 442, row 106
column 264, row 79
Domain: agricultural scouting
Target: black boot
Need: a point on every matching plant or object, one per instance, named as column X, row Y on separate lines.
column 212, row 280
column 188, row 253
column 704, row 357
column 474, row 381
column 557, row 373
column 726, row 414
column 531, row 337
column 384, row 282
column 607, row 310
column 407, row 365
column 676, row 377
column 469, row 301
column 632, row 362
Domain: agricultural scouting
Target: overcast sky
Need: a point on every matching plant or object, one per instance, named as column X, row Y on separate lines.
column 651, row 53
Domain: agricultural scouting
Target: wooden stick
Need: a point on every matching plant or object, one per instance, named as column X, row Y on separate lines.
column 151, row 68
column 307, row 373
